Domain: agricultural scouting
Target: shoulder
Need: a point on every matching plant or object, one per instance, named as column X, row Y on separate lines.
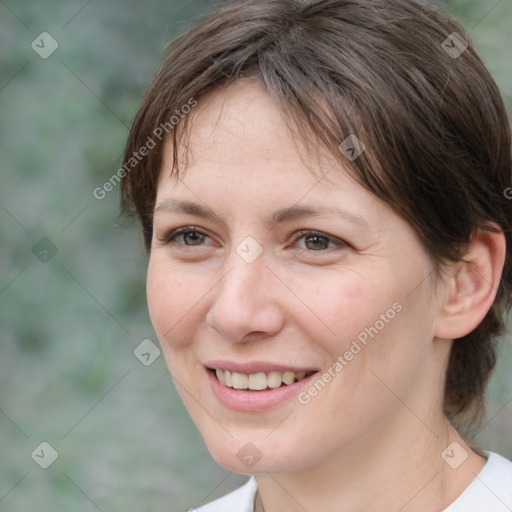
column 239, row 500
column 491, row 490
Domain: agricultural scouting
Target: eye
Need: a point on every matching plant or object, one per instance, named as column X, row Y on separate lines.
column 317, row 241
column 187, row 236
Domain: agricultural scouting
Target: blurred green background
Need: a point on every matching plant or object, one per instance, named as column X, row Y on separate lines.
column 72, row 299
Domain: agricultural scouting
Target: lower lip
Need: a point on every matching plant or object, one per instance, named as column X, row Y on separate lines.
column 250, row 400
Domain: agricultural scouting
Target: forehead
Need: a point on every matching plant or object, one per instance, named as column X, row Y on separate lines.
column 240, row 123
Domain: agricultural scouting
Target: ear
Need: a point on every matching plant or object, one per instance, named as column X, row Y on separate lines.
column 472, row 285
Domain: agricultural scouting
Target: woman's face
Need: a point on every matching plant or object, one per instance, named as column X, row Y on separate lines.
column 286, row 272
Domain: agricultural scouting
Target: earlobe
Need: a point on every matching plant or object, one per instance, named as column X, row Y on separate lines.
column 472, row 285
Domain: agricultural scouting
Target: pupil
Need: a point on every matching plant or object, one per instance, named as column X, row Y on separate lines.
column 319, row 242
column 193, row 237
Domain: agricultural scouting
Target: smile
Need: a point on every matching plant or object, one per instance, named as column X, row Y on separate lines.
column 258, row 387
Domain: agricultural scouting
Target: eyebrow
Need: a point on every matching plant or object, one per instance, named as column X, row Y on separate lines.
column 283, row 215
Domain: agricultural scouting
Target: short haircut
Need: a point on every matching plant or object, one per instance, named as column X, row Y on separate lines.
column 399, row 75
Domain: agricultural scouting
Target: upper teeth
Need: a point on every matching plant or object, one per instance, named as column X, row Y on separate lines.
column 258, row 381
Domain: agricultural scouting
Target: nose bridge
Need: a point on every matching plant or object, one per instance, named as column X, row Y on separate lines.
column 242, row 284
column 246, row 265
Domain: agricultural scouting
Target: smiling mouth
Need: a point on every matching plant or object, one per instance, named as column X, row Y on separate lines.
column 258, row 381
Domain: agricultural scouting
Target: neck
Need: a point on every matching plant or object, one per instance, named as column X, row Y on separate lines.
column 397, row 467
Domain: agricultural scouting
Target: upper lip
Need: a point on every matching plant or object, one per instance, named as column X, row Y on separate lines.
column 255, row 367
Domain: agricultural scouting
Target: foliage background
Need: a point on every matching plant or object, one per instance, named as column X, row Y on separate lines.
column 69, row 326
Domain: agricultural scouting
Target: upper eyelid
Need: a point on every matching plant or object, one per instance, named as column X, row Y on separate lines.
column 313, row 232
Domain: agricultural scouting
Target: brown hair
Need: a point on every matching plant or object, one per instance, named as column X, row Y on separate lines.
column 392, row 73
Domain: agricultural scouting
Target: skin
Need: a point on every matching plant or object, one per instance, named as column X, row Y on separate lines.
column 372, row 438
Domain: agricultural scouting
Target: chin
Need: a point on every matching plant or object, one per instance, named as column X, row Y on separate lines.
column 247, row 458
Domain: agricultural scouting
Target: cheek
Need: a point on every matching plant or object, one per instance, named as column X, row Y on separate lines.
column 174, row 303
column 341, row 306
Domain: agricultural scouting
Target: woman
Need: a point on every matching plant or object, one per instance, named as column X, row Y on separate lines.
column 320, row 187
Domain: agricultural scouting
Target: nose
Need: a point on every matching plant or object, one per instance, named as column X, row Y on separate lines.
column 245, row 304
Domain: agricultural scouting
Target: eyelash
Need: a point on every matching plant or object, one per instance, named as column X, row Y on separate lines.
column 170, row 238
